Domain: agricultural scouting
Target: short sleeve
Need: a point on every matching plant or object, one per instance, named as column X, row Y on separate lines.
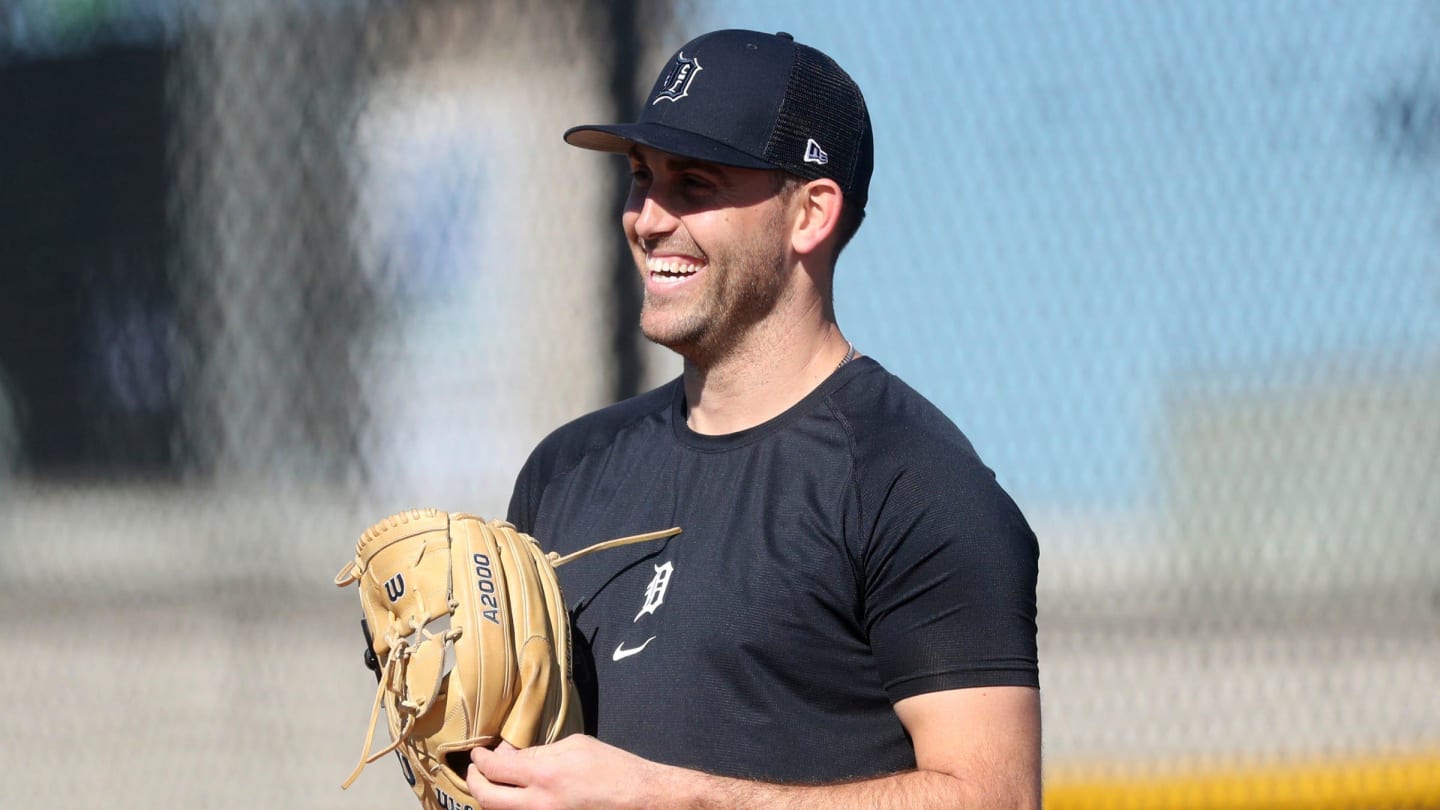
column 949, row 575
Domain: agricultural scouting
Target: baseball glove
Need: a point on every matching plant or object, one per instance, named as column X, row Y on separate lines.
column 467, row 632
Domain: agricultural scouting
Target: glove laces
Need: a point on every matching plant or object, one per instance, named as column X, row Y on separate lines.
column 558, row 560
column 392, row 681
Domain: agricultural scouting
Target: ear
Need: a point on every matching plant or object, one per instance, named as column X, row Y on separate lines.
column 818, row 205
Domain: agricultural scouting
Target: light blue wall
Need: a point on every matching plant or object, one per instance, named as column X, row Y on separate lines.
column 1083, row 209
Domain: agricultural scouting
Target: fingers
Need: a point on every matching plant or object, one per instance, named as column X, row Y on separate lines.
column 508, row 778
column 494, row 778
column 501, row 766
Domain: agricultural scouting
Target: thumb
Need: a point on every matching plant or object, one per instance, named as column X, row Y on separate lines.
column 502, row 766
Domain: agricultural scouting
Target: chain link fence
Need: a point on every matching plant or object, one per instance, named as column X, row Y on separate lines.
column 270, row 271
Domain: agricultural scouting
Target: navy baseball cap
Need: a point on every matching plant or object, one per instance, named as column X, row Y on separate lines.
column 754, row 100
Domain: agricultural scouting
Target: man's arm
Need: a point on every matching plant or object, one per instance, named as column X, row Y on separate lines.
column 974, row 748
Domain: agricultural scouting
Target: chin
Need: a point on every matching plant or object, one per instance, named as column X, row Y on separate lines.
column 668, row 330
column 674, row 337
column 666, row 338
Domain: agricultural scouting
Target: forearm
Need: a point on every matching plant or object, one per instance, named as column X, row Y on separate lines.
column 908, row 790
column 991, row 762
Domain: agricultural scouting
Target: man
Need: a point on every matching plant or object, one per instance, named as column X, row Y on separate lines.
column 848, row 617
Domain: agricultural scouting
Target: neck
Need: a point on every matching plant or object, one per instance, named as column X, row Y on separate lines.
column 761, row 378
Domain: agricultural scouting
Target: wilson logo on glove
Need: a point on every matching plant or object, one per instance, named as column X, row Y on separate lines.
column 467, row 632
column 395, row 587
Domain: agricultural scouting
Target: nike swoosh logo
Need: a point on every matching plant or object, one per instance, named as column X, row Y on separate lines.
column 621, row 652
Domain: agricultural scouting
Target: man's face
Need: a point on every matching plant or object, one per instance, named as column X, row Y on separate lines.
column 712, row 246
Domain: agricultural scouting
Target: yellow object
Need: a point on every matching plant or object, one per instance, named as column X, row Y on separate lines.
column 1410, row 781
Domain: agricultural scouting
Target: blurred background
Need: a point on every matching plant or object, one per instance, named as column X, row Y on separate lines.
column 271, row 270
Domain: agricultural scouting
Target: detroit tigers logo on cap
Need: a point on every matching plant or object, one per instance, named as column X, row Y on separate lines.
column 677, row 82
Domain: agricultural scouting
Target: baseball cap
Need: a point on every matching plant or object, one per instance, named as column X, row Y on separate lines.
column 754, row 100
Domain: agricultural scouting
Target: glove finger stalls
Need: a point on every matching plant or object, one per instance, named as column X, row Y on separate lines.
column 488, row 643
column 534, row 636
column 562, row 705
column 536, row 697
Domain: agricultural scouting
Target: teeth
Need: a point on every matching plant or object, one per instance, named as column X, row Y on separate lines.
column 670, row 267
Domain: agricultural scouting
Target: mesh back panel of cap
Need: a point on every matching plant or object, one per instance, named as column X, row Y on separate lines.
column 824, row 104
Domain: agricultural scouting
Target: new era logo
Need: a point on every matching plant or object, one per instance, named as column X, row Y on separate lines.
column 814, row 154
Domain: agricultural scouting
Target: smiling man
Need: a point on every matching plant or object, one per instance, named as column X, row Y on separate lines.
column 848, row 618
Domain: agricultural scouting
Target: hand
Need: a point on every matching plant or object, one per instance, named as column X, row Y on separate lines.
column 575, row 772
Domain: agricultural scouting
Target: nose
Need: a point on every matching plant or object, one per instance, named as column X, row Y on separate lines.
column 653, row 219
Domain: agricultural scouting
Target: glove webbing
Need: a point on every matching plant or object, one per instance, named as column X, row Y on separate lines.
column 392, row 679
column 392, row 674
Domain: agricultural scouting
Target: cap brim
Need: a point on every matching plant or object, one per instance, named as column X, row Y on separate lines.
column 619, row 138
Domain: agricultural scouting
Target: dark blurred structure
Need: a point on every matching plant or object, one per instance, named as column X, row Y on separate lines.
column 87, row 311
column 183, row 292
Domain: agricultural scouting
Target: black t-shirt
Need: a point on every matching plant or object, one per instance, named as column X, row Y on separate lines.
column 849, row 553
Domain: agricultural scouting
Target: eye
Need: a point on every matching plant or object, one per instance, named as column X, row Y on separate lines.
column 693, row 183
column 639, row 175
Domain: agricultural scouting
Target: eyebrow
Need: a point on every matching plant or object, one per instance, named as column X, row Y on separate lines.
column 678, row 164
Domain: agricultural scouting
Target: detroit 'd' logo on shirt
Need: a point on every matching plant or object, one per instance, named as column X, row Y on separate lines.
column 654, row 598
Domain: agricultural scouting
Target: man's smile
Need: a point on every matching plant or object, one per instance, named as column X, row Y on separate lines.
column 667, row 270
